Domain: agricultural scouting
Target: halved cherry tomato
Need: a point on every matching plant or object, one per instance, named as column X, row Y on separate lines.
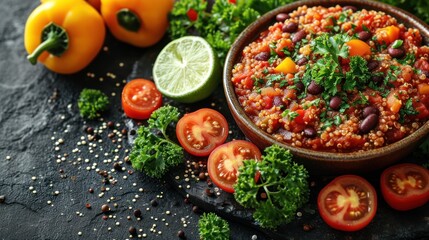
column 348, row 203
column 405, row 186
column 140, row 98
column 202, row 131
column 224, row 161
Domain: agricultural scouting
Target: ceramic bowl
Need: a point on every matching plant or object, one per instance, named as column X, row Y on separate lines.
column 319, row 162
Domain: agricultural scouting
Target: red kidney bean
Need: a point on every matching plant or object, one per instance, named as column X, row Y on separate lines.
column 310, row 132
column 262, row 56
column 425, row 72
column 281, row 17
column 353, row 8
column 396, row 52
column 372, row 64
column 298, row 36
column 364, row 35
column 300, row 87
column 368, row 111
column 368, row 123
column 302, row 61
column 377, row 79
column 335, row 103
column 290, row 27
column 314, row 88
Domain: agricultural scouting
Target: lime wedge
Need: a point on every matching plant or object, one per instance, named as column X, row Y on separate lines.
column 187, row 70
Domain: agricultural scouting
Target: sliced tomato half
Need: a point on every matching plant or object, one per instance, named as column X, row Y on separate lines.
column 348, row 203
column 202, row 131
column 405, row 186
column 224, row 161
column 140, row 98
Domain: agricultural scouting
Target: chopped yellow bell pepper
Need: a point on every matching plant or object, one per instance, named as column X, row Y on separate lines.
column 64, row 35
column 286, row 66
column 141, row 23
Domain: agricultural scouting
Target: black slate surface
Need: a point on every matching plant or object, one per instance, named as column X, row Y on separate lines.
column 46, row 191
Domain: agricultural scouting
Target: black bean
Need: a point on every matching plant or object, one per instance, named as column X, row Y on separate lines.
column 196, row 209
column 396, row 52
column 90, row 130
column 368, row 111
column 364, row 35
column 110, row 124
column 310, row 132
column 281, row 17
column 368, row 123
column 262, row 56
column 290, row 27
column 302, row 61
column 335, row 103
column 300, row 87
column 353, row 8
column 372, row 64
column 132, row 230
column 314, row 88
column 298, row 36
column 377, row 79
column 277, row 101
column 117, row 166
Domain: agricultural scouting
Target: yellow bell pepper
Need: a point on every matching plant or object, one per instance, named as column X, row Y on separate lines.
column 141, row 23
column 94, row 3
column 64, row 35
column 286, row 66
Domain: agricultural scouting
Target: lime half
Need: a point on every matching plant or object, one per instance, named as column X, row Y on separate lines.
column 187, row 70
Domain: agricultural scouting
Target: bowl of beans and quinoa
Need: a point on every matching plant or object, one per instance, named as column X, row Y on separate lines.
column 343, row 84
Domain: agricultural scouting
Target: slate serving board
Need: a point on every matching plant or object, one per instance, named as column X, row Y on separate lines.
column 37, row 104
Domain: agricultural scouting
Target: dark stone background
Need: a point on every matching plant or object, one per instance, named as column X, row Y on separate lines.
column 38, row 108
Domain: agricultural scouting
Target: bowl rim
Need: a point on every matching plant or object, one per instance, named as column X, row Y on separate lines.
column 267, row 19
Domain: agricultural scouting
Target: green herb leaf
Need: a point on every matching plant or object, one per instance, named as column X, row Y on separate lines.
column 212, row 227
column 153, row 152
column 397, row 43
column 92, row 103
column 284, row 182
column 407, row 110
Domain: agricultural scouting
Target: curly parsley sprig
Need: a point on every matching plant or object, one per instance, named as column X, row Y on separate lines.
column 212, row 227
column 92, row 103
column 284, row 182
column 153, row 151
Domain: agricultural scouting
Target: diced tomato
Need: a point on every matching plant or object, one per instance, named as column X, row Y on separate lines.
column 394, row 135
column 192, row 15
column 300, row 118
column 393, row 101
column 202, row 131
column 268, row 102
column 405, row 186
column 421, row 109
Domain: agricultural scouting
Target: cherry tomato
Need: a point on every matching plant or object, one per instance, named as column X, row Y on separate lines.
column 224, row 161
column 405, row 186
column 140, row 98
column 348, row 203
column 202, row 131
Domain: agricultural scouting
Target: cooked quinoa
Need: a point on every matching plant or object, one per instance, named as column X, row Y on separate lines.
column 335, row 79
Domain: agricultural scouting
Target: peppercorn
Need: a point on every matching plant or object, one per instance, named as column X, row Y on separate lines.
column 110, row 124
column 137, row 213
column 2, row 198
column 181, row 234
column 132, row 230
column 88, row 205
column 154, row 203
column 105, row 208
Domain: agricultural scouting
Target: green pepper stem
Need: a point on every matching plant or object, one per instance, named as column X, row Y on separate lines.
column 128, row 20
column 54, row 40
